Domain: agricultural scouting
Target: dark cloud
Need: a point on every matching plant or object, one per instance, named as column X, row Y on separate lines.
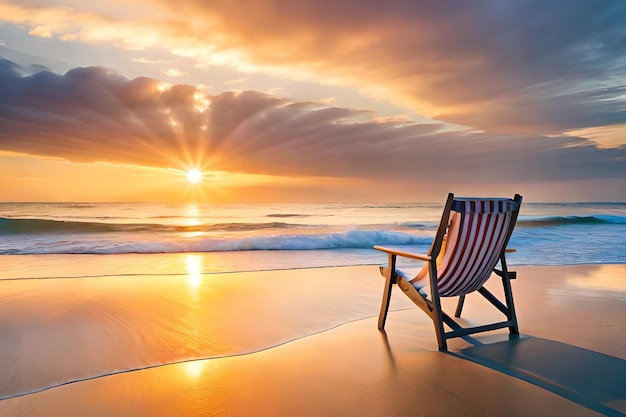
column 94, row 114
column 24, row 64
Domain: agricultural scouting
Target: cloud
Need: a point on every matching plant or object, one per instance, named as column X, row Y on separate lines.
column 173, row 72
column 515, row 66
column 94, row 114
column 523, row 66
column 150, row 61
column 41, row 31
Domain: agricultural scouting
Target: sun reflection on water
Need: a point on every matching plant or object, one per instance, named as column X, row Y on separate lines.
column 192, row 214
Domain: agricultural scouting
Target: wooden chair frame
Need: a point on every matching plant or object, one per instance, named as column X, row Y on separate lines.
column 432, row 306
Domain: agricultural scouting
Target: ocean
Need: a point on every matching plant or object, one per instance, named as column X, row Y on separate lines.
column 251, row 237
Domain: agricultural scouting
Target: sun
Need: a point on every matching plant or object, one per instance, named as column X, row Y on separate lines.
column 194, row 176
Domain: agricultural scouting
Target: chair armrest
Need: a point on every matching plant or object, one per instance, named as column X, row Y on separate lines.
column 400, row 252
column 510, row 250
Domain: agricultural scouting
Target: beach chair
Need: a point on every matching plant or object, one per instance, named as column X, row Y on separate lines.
column 470, row 242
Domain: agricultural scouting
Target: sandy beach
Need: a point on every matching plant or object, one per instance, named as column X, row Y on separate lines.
column 148, row 335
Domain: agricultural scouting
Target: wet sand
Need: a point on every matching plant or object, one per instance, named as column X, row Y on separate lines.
column 152, row 335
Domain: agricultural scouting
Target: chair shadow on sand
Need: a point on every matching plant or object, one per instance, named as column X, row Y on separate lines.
column 588, row 378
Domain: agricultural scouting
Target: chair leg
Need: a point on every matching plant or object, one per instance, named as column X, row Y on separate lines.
column 437, row 316
column 389, row 281
column 439, row 331
column 384, row 307
column 459, row 306
column 508, row 296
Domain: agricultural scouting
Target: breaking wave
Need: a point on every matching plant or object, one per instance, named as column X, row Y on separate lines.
column 352, row 239
column 571, row 220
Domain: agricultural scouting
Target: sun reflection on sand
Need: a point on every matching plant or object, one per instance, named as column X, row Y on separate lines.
column 592, row 282
column 193, row 369
column 194, row 271
column 602, row 278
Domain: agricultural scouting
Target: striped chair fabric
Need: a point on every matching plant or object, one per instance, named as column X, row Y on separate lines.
column 476, row 236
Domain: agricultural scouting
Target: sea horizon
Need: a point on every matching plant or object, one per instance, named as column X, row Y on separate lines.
column 263, row 236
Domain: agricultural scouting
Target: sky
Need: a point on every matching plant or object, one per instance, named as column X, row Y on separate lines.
column 312, row 101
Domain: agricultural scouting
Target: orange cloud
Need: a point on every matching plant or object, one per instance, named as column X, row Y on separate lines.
column 41, row 31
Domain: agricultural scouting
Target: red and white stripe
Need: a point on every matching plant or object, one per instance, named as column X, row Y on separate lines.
column 475, row 241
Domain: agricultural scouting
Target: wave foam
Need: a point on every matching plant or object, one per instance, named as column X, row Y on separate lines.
column 353, row 239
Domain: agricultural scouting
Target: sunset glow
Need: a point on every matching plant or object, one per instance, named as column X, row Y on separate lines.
column 313, row 94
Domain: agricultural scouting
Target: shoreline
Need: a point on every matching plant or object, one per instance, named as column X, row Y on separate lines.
column 313, row 327
column 54, row 266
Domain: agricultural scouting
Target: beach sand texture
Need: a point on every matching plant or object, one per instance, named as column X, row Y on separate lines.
column 144, row 335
